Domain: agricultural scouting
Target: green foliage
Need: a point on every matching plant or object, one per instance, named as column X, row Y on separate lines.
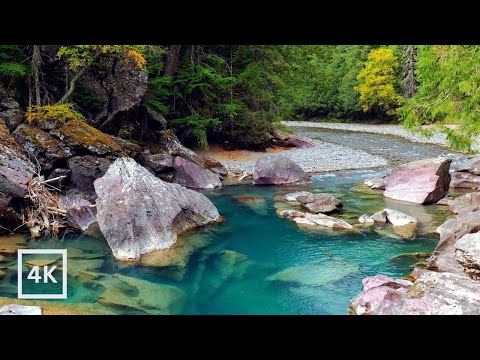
column 199, row 127
column 377, row 82
column 13, row 69
column 448, row 93
column 12, row 59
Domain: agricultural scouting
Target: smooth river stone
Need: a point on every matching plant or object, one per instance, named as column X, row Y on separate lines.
column 422, row 182
column 320, row 274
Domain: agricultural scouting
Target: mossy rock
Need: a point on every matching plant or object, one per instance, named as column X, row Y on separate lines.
column 78, row 134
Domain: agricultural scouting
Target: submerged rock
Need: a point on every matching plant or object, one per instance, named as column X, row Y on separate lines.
column 10, row 244
column 194, row 176
column 16, row 171
column 174, row 260
column 139, row 213
column 431, row 294
column 465, row 180
column 218, row 268
column 422, row 182
column 321, row 274
column 256, row 203
column 467, row 253
column 277, row 170
column 14, row 309
column 144, row 296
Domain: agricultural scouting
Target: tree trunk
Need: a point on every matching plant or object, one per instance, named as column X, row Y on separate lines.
column 74, row 80
column 36, row 63
column 409, row 81
column 173, row 60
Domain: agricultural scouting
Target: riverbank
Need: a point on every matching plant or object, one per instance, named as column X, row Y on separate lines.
column 321, row 157
column 387, row 129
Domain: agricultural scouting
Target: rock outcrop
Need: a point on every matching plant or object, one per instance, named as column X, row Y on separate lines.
column 118, row 85
column 467, row 253
column 41, row 146
column 16, row 170
column 422, row 182
column 193, row 176
column 465, row 180
column 323, row 221
column 138, row 213
column 277, row 170
column 81, row 214
column 471, row 166
column 11, row 113
column 86, row 169
column 432, row 293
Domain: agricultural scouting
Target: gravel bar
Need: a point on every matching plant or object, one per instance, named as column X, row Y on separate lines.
column 395, row 130
column 321, row 157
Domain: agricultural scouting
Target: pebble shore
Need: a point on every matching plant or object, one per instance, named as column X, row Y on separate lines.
column 322, row 156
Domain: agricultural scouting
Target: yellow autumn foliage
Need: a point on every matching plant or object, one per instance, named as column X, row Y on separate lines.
column 376, row 82
column 138, row 59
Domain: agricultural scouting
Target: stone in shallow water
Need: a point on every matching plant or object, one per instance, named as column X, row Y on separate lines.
column 218, row 268
column 75, row 266
column 366, row 219
column 3, row 259
column 291, row 214
column 144, row 296
column 10, row 244
column 324, row 221
column 293, row 196
column 422, row 182
column 380, row 217
column 471, row 166
column 175, row 259
column 464, row 203
column 397, row 218
column 40, row 262
column 2, row 274
column 257, row 203
column 277, row 170
column 139, row 213
column 14, row 309
column 321, row 274
column 377, row 182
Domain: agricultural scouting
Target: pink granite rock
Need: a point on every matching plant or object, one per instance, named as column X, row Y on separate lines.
column 422, row 182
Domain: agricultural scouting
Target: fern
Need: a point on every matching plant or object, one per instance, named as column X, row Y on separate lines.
column 199, row 126
column 13, row 69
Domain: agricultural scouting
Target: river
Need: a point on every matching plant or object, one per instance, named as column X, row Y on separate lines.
column 256, row 262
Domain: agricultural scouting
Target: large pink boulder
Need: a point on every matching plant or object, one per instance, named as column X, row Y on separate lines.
column 277, row 170
column 193, row 176
column 422, row 182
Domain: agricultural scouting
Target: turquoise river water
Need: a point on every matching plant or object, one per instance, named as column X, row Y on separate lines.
column 255, row 262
